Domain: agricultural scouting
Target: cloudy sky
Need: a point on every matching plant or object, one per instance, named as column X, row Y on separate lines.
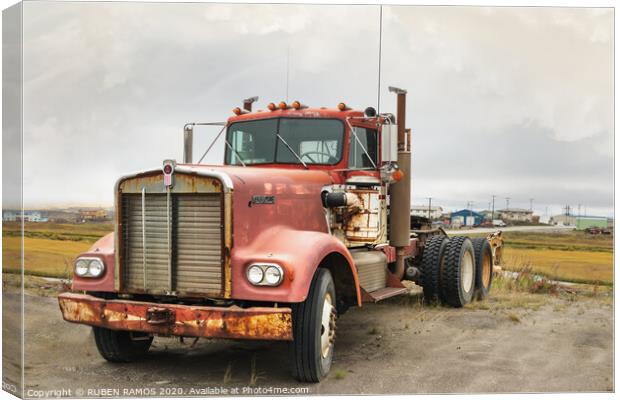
column 516, row 102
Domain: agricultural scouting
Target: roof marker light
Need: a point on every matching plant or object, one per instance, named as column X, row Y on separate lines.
column 342, row 106
column 237, row 110
column 271, row 106
column 296, row 105
column 282, row 105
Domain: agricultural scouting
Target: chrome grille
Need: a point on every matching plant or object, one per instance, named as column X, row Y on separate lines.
column 172, row 244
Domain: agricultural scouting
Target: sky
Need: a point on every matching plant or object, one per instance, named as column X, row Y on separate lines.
column 512, row 102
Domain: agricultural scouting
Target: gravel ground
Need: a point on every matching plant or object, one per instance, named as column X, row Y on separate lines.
column 389, row 348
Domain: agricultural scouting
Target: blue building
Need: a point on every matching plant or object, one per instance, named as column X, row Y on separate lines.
column 466, row 217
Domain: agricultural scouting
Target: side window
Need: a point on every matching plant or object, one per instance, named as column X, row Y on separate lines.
column 368, row 139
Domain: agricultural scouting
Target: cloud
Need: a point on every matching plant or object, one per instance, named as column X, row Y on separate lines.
column 512, row 101
column 509, row 100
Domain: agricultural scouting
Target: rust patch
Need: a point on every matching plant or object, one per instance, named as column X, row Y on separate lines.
column 183, row 183
column 262, row 323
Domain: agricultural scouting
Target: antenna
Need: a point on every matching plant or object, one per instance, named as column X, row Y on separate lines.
column 288, row 58
column 380, row 40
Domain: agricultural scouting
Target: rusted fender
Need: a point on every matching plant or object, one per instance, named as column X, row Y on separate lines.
column 259, row 323
column 298, row 252
column 103, row 249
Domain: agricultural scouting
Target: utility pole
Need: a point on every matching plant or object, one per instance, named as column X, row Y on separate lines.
column 493, row 208
column 531, row 204
column 507, row 202
column 429, row 207
column 579, row 210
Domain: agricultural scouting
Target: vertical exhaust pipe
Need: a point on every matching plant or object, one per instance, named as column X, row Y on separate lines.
column 400, row 192
column 188, row 143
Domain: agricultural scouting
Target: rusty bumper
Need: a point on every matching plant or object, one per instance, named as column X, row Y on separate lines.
column 178, row 320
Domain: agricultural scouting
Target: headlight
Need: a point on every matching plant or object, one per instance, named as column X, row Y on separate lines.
column 81, row 267
column 273, row 275
column 89, row 267
column 265, row 274
column 95, row 268
column 255, row 274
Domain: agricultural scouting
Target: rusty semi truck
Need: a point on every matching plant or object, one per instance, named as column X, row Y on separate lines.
column 308, row 215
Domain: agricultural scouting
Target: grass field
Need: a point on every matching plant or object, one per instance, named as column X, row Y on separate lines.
column 572, row 256
column 49, row 248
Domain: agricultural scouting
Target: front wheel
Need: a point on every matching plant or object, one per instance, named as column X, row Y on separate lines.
column 121, row 346
column 314, row 330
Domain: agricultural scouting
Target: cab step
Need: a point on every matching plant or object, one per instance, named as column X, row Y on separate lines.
column 387, row 292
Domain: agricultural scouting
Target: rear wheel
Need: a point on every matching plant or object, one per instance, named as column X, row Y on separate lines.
column 121, row 346
column 459, row 272
column 314, row 330
column 484, row 267
column 430, row 269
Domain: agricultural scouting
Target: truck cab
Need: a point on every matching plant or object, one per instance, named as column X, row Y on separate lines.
column 307, row 216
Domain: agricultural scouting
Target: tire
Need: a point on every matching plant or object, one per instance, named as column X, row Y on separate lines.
column 484, row 267
column 430, row 269
column 312, row 348
column 459, row 273
column 121, row 346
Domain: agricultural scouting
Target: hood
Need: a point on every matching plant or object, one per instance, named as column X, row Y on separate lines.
column 268, row 197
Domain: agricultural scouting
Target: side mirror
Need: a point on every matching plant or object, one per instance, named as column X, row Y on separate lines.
column 389, row 143
column 188, row 142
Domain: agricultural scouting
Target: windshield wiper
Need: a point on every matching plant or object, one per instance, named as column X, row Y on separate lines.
column 291, row 150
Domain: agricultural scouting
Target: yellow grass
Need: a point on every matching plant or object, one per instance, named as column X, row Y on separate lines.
column 41, row 256
column 578, row 266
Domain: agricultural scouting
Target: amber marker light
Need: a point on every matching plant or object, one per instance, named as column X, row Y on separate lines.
column 342, row 106
column 282, row 105
column 271, row 106
column 397, row 175
column 237, row 110
column 296, row 105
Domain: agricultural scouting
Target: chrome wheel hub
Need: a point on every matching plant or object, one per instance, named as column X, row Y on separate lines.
column 328, row 325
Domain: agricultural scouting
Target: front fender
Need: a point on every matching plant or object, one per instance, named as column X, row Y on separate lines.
column 104, row 249
column 298, row 252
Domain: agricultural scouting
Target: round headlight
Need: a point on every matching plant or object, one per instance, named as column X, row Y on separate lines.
column 95, row 268
column 273, row 275
column 255, row 274
column 81, row 267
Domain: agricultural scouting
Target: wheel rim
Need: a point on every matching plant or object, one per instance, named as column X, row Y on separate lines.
column 467, row 271
column 328, row 321
column 486, row 270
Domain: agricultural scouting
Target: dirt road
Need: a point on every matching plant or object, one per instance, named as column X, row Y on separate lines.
column 395, row 347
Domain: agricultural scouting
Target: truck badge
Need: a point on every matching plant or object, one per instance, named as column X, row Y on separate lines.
column 262, row 200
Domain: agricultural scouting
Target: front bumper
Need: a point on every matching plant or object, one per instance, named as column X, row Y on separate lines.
column 264, row 323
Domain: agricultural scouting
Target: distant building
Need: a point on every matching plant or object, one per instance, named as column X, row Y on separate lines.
column 516, row 214
column 422, row 211
column 563, row 220
column 585, row 222
column 9, row 216
column 93, row 215
column 466, row 217
column 34, row 216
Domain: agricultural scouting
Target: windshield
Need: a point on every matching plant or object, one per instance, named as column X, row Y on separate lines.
column 314, row 141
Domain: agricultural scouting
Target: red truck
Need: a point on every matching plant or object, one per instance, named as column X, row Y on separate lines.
column 308, row 215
